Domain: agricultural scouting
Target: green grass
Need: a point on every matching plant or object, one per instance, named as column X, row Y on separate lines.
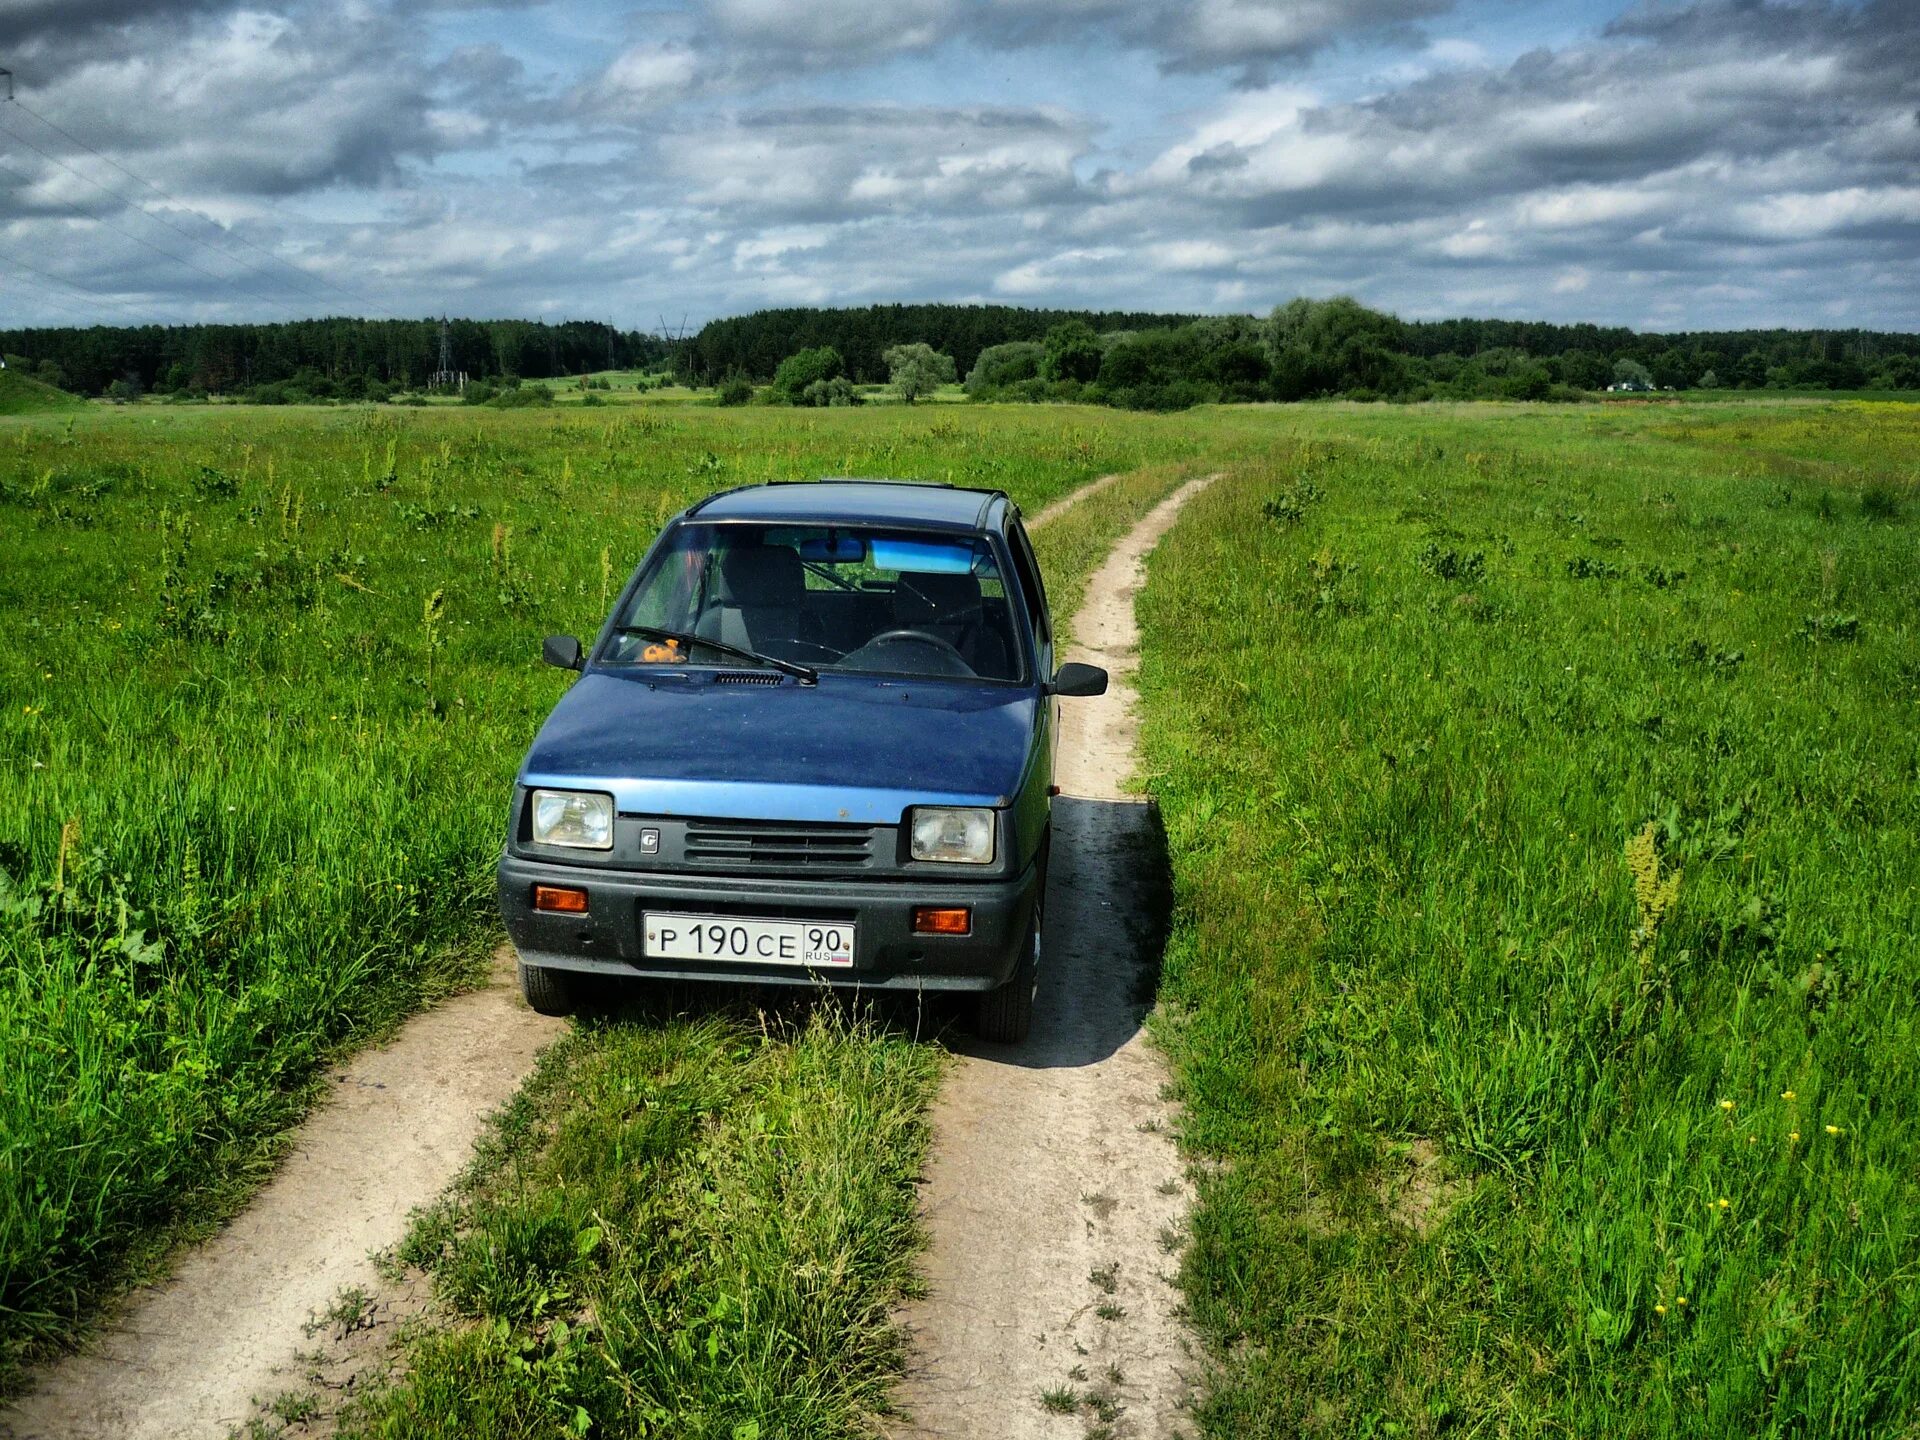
column 1503, row 1148
column 1414, row 676
column 268, row 676
column 683, row 1227
column 23, row 395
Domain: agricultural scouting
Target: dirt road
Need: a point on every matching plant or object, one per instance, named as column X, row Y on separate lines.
column 1052, row 1183
column 1055, row 1198
column 187, row 1358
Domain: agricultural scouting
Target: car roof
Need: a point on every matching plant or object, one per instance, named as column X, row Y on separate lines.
column 864, row 502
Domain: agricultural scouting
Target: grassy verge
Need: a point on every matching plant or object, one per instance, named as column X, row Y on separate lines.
column 268, row 676
column 1071, row 546
column 688, row 1228
column 1542, row 799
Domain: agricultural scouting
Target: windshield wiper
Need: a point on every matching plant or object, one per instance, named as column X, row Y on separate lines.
column 805, row 674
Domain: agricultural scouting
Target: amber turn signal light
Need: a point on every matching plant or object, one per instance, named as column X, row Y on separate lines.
column 942, row 920
column 563, row 898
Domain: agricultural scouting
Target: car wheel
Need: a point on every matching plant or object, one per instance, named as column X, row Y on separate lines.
column 549, row 992
column 1004, row 1016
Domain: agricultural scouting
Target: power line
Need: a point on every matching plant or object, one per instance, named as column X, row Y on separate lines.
column 304, row 275
column 146, row 319
column 120, row 229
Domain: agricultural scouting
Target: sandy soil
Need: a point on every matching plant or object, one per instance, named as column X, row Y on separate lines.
column 1069, row 500
column 1055, row 1199
column 187, row 1357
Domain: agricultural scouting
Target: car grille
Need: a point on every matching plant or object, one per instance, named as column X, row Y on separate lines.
column 776, row 843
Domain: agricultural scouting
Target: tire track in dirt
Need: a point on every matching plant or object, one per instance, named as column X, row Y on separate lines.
column 1067, row 501
column 1055, row 1198
column 187, row 1357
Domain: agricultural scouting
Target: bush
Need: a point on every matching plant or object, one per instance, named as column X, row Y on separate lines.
column 822, row 393
column 802, row 369
column 1001, row 366
column 522, row 397
column 734, row 389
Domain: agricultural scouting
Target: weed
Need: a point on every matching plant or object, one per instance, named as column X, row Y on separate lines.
column 1061, row 1400
column 1105, row 1278
column 1587, row 567
column 1107, row 1310
column 1827, row 628
column 1880, row 502
column 1468, row 567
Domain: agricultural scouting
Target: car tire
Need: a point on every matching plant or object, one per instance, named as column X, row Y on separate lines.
column 548, row 992
column 1005, row 1015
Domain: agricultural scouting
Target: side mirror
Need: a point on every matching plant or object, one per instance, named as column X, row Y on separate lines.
column 1074, row 678
column 563, row 651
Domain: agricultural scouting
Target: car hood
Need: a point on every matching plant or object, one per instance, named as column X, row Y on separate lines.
column 857, row 749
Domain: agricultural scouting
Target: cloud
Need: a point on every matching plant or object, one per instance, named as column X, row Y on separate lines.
column 1688, row 162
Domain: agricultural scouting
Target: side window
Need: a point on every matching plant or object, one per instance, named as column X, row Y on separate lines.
column 1027, row 570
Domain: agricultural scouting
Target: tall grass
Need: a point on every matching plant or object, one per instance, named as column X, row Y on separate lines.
column 688, row 1228
column 267, row 677
column 1542, row 797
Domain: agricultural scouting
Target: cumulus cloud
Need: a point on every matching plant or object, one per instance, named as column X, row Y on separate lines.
column 1688, row 162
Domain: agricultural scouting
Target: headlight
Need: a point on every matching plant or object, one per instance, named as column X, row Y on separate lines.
column 962, row 837
column 579, row 819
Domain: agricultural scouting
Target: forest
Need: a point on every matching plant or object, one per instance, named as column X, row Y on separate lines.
column 1303, row 349
column 344, row 355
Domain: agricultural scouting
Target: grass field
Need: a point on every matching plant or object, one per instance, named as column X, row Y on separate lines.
column 268, row 675
column 1415, row 677
column 1541, row 789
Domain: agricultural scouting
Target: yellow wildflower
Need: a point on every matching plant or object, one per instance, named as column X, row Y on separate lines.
column 1659, row 1309
column 1726, row 1105
column 1724, row 1202
column 1833, row 1129
column 1679, row 1299
column 1793, row 1137
column 1786, row 1094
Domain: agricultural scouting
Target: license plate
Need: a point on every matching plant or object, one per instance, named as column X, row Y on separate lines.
column 816, row 944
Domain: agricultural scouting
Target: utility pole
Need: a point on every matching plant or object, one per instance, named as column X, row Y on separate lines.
column 7, row 75
column 446, row 377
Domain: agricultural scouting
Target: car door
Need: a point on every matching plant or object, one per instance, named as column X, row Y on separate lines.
column 1033, row 592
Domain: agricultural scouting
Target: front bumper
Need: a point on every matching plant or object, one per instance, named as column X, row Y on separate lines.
column 887, row 954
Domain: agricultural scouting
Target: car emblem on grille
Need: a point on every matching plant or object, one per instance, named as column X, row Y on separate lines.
column 649, row 842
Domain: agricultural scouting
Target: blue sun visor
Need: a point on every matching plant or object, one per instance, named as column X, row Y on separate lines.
column 927, row 557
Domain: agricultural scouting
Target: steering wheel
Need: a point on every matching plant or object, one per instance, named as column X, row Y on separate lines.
column 919, row 637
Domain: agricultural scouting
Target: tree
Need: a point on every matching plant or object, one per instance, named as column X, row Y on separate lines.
column 1709, row 381
column 917, row 369
column 1632, row 373
column 1072, row 352
column 1898, row 372
column 804, row 368
column 1002, row 365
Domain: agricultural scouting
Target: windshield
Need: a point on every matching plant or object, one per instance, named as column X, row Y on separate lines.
column 890, row 602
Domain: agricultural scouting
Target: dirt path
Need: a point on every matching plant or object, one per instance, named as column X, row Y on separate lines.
column 1055, row 1198
column 187, row 1358
column 1067, row 501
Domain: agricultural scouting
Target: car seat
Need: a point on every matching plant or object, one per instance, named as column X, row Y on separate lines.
column 759, row 603
column 950, row 606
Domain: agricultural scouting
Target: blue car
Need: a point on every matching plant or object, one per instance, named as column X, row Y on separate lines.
column 813, row 744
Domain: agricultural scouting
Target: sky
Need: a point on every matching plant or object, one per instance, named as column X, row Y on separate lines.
column 1663, row 164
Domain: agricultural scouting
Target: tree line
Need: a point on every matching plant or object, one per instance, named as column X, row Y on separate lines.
column 1301, row 350
column 330, row 358
column 1304, row 349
